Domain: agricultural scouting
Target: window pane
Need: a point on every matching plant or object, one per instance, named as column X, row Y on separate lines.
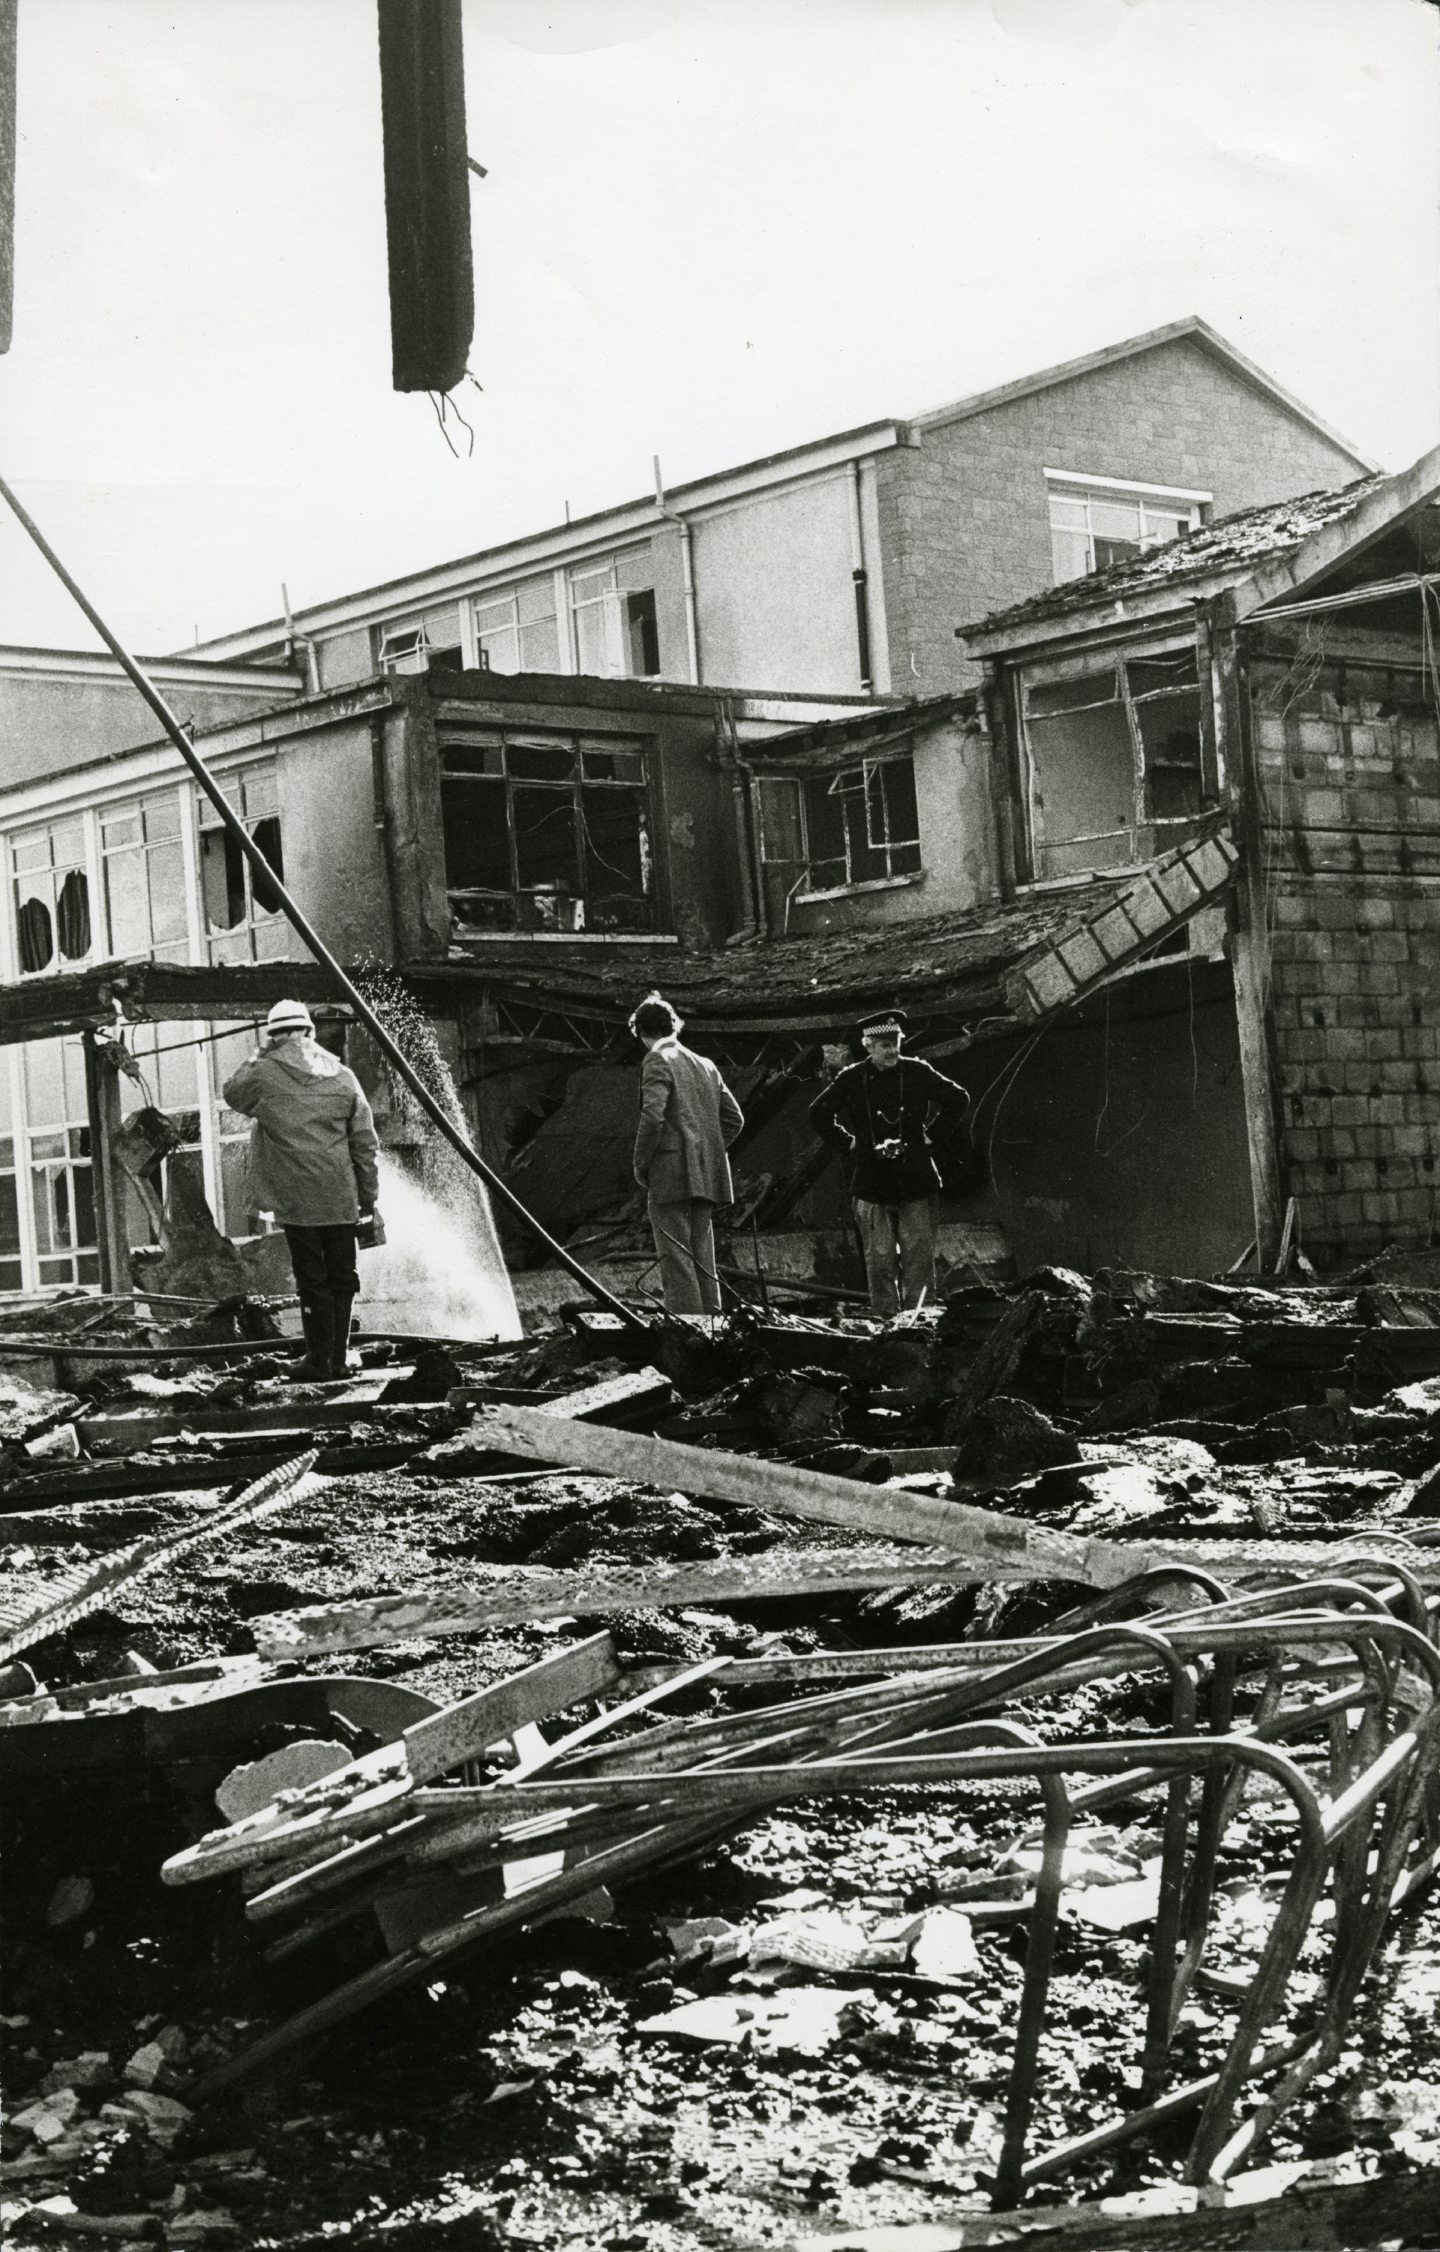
column 1084, row 775
column 614, row 866
column 591, row 586
column 260, row 792
column 592, row 638
column 127, row 903
column 162, row 817
column 167, row 895
column 492, row 616
column 67, row 843
column 121, row 828
column 9, row 1215
column 541, row 762
column 44, row 1083
column 36, row 934
column 501, row 649
column 72, row 916
column 1070, row 555
column 780, row 837
column 535, row 600
column 613, row 766
column 545, row 841
column 472, row 758
column 477, row 837
column 442, row 627
column 540, row 646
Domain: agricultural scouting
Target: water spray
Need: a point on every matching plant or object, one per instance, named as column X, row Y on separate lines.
column 300, row 923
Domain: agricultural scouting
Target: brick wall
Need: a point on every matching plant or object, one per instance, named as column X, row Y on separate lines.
column 964, row 516
column 1350, row 767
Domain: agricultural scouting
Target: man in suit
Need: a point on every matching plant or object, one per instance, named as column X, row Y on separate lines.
column 688, row 1119
column 881, row 1116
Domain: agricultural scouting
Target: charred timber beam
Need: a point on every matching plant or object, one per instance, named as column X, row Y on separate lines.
column 427, row 192
column 42, row 1008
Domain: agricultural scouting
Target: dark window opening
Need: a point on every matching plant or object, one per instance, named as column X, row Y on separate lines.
column 267, row 836
column 643, row 630
column 37, row 938
column 832, row 831
column 547, row 836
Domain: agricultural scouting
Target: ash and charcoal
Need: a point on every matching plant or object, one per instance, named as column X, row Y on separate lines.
column 417, row 1817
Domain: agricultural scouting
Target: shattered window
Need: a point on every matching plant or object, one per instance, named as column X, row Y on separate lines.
column 143, row 869
column 1092, row 527
column 862, row 825
column 1115, row 762
column 426, row 644
column 241, row 906
column 52, row 897
column 517, row 631
column 547, row 833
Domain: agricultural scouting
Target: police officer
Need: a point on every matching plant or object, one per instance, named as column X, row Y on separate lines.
column 881, row 1115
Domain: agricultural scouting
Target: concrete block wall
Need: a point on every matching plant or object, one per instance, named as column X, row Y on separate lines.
column 964, row 515
column 1350, row 767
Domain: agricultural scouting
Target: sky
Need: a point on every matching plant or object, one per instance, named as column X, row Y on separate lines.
column 710, row 229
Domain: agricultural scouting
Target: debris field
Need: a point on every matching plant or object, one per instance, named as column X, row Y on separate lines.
column 775, row 1781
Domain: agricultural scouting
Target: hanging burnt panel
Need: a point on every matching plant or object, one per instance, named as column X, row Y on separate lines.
column 427, row 193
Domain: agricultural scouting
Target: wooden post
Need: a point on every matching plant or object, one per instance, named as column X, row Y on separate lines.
column 102, row 1103
column 1004, row 773
column 1250, row 938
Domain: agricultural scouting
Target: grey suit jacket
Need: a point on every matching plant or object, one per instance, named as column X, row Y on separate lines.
column 688, row 1119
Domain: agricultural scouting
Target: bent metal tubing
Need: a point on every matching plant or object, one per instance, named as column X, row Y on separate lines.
column 1123, row 1640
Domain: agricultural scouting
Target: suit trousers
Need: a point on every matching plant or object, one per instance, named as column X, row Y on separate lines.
column 684, row 1233
column 899, row 1245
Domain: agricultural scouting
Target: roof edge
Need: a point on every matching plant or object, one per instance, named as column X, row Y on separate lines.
column 1191, row 328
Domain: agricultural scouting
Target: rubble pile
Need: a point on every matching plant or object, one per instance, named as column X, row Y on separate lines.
column 732, row 1783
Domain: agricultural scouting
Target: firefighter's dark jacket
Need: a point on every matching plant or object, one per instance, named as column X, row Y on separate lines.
column 863, row 1109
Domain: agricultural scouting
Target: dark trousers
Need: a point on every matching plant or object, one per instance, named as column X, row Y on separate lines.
column 324, row 1261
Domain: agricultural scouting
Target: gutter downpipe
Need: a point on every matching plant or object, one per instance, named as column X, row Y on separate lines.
column 742, row 798
column 687, row 573
column 861, row 579
column 299, row 922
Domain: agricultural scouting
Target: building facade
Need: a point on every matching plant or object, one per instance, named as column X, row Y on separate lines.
column 841, row 566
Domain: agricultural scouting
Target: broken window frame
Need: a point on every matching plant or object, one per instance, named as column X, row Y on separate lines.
column 608, row 616
column 256, row 932
column 857, row 778
column 525, row 907
column 52, row 868
column 433, row 642
column 1162, row 513
column 1145, row 833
